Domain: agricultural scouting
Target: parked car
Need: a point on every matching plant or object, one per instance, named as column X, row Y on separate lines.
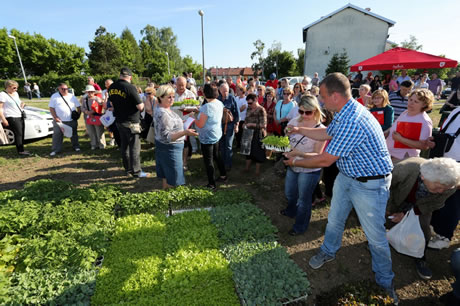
column 38, row 124
column 297, row 79
column 446, row 93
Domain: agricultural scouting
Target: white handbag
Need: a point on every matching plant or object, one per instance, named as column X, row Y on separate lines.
column 407, row 237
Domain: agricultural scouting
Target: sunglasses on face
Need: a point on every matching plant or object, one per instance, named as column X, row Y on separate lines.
column 64, row 88
column 307, row 113
column 249, row 103
column 286, row 94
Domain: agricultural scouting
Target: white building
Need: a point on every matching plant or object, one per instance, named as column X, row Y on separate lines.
column 361, row 33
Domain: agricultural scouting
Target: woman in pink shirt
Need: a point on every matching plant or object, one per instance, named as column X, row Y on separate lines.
column 409, row 133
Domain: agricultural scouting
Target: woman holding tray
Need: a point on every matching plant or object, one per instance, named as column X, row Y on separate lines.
column 409, row 133
column 169, row 139
column 301, row 182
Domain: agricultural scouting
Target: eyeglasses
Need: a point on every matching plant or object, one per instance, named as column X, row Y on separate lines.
column 14, row 87
column 297, row 87
column 249, row 103
column 286, row 94
column 64, row 88
column 307, row 113
column 149, row 93
column 259, row 89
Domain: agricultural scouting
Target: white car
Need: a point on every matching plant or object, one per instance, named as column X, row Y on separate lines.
column 38, row 124
column 297, row 79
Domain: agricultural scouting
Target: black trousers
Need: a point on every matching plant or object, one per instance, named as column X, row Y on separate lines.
column 210, row 153
column 16, row 125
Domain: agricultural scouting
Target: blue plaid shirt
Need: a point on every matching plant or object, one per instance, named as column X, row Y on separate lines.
column 358, row 141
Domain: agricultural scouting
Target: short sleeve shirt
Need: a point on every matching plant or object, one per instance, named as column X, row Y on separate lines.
column 11, row 104
column 358, row 141
column 167, row 123
column 211, row 132
column 282, row 110
column 62, row 110
column 124, row 99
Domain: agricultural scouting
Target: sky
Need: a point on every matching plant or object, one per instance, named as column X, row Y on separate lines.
column 231, row 27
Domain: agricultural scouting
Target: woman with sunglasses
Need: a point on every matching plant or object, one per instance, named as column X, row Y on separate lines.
column 12, row 114
column 282, row 109
column 301, row 182
column 256, row 119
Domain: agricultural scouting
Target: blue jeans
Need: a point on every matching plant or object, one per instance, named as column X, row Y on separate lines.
column 225, row 146
column 369, row 201
column 298, row 189
column 455, row 264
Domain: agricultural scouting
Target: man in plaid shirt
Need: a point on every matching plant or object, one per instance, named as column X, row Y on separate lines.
column 358, row 146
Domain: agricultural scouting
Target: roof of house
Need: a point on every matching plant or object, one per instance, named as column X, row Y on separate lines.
column 246, row 71
column 349, row 5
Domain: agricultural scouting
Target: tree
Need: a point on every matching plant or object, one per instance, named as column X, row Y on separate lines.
column 260, row 46
column 193, row 67
column 300, row 61
column 282, row 63
column 132, row 56
column 412, row 43
column 105, row 53
column 338, row 63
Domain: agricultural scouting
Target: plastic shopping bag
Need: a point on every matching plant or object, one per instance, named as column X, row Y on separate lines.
column 66, row 130
column 107, row 119
column 407, row 237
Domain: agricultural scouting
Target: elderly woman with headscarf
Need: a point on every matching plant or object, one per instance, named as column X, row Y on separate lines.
column 423, row 185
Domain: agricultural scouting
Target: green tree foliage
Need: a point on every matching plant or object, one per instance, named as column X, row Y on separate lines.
column 411, row 43
column 338, row 63
column 300, row 62
column 155, row 45
column 39, row 55
column 193, row 67
column 258, row 54
column 105, row 53
column 132, row 56
column 281, row 62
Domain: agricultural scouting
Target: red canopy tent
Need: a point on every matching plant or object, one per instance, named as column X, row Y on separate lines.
column 402, row 58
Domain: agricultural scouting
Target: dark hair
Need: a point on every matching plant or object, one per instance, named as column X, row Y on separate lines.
column 210, row 91
column 337, row 82
column 251, row 96
column 407, row 83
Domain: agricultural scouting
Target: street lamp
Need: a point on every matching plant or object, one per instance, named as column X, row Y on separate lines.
column 201, row 13
column 19, row 56
column 169, row 71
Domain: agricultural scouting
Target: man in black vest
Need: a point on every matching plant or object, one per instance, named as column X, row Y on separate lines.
column 126, row 108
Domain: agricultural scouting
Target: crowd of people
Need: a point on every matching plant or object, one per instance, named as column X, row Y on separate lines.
column 366, row 151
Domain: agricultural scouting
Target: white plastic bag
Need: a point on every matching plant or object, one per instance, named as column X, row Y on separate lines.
column 407, row 237
column 107, row 119
column 66, row 130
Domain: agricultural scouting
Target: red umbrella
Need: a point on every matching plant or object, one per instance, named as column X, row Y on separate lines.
column 402, row 58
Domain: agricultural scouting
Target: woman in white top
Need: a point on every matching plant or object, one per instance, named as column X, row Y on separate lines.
column 301, row 182
column 12, row 114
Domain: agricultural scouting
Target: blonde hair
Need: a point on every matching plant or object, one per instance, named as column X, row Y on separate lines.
column 424, row 95
column 9, row 83
column 310, row 103
column 379, row 93
column 365, row 86
column 287, row 90
column 164, row 90
column 150, row 89
column 314, row 90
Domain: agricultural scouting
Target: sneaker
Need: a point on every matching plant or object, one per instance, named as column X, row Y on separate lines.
column 222, row 179
column 77, row 149
column 392, row 293
column 422, row 269
column 24, row 153
column 53, row 154
column 438, row 242
column 112, row 142
column 212, row 187
column 142, row 174
column 320, row 259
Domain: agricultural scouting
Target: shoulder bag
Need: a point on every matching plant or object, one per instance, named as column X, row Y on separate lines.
column 443, row 141
column 75, row 115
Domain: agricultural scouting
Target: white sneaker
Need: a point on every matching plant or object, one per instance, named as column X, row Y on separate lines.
column 112, row 142
column 438, row 242
column 53, row 154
